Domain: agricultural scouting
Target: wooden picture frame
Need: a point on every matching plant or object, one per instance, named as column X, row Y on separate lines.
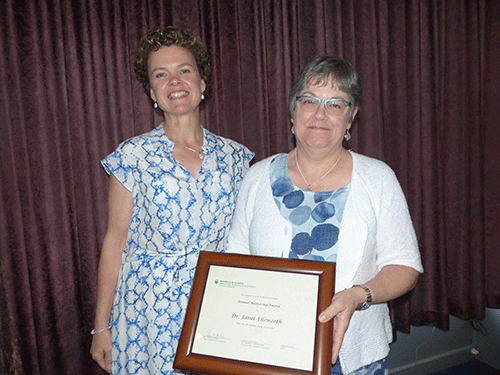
column 320, row 274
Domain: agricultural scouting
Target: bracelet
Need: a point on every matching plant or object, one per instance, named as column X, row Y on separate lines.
column 94, row 332
column 368, row 301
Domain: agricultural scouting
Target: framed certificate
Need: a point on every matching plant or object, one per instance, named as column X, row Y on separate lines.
column 257, row 315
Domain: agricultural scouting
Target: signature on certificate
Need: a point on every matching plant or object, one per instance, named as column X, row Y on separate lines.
column 213, row 336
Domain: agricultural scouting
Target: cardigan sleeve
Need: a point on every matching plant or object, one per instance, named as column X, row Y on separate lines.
column 239, row 236
column 396, row 239
column 258, row 228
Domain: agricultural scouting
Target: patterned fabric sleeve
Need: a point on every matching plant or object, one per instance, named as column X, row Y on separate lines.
column 247, row 156
column 118, row 164
column 243, row 162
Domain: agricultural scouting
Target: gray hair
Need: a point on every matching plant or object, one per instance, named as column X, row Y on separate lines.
column 321, row 71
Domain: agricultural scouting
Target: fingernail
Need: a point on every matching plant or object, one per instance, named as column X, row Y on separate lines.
column 322, row 318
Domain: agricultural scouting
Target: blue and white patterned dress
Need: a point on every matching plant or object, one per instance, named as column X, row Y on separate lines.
column 175, row 216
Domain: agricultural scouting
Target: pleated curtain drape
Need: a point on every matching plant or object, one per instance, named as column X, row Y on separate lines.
column 68, row 97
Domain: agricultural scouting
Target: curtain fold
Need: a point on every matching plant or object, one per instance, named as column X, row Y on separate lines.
column 490, row 113
column 69, row 96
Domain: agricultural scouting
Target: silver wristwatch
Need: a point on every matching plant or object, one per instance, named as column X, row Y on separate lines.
column 368, row 301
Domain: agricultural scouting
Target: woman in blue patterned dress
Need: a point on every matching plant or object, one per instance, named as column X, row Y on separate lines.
column 171, row 194
column 323, row 202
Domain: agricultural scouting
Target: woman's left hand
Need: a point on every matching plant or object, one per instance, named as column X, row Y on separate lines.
column 340, row 310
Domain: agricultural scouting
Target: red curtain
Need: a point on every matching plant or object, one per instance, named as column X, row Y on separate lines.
column 68, row 96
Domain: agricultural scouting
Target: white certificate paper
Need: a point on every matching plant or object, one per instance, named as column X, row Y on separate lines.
column 260, row 316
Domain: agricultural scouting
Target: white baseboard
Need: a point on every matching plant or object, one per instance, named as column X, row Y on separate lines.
column 436, row 363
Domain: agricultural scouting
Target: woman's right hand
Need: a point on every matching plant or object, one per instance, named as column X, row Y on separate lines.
column 101, row 349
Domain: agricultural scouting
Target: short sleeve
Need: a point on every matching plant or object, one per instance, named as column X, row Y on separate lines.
column 118, row 163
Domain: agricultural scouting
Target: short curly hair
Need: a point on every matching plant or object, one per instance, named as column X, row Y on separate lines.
column 171, row 36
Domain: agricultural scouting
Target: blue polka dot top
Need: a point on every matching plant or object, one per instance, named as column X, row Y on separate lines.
column 315, row 216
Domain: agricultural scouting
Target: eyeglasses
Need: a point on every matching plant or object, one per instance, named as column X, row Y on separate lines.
column 310, row 103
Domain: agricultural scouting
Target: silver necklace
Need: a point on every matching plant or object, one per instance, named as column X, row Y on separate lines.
column 201, row 155
column 309, row 186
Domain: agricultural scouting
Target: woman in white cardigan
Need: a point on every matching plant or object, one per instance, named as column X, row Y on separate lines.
column 323, row 202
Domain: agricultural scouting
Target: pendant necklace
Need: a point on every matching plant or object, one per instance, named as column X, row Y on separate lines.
column 309, row 186
column 201, row 155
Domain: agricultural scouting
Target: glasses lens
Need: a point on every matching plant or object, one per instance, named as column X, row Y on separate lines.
column 308, row 103
column 336, row 105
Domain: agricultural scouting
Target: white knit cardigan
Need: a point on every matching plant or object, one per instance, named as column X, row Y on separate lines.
column 376, row 230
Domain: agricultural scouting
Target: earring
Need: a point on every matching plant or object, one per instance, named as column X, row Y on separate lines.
column 347, row 135
column 202, row 96
column 155, row 105
column 293, row 129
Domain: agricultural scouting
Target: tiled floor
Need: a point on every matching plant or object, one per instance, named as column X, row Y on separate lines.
column 473, row 367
